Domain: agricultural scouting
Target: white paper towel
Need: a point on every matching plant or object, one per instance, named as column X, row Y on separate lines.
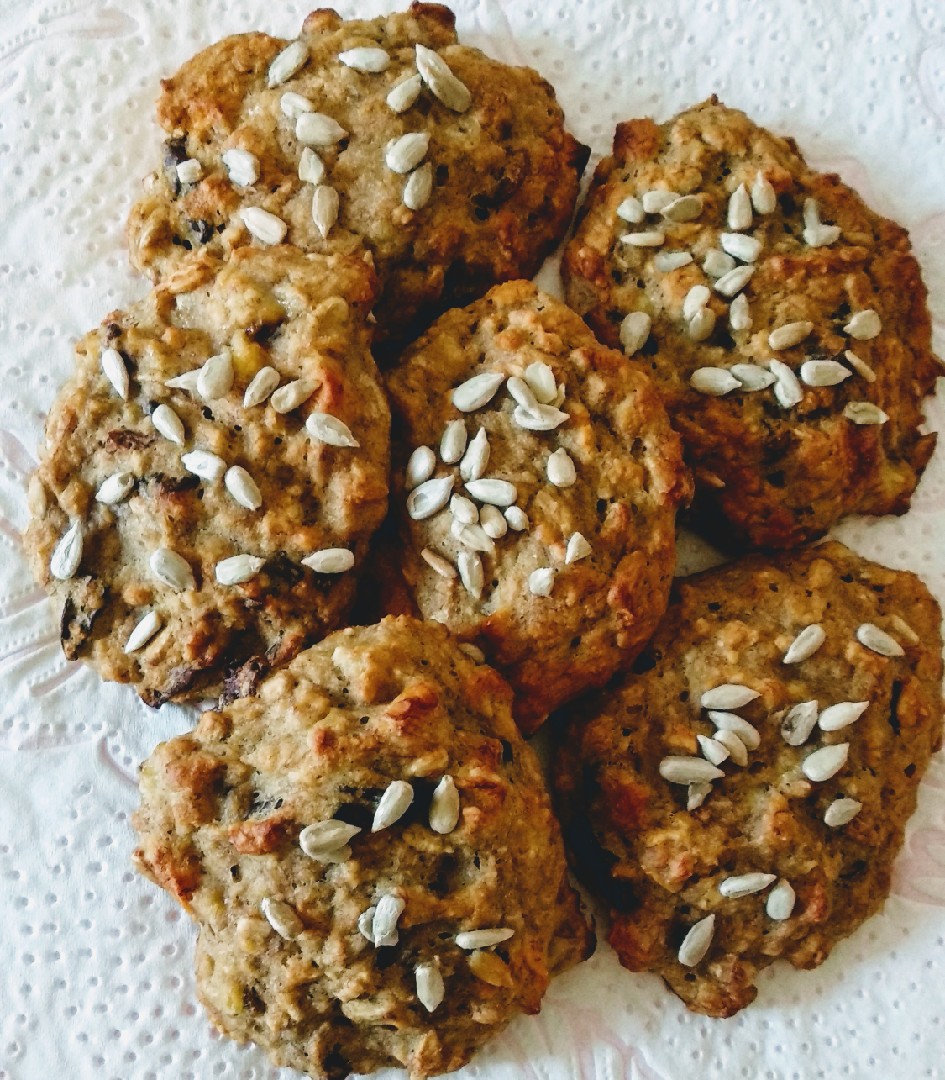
column 95, row 964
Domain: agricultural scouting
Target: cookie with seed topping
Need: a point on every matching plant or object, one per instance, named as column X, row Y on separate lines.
column 212, row 473
column 536, row 482
column 454, row 169
column 784, row 321
column 370, row 853
column 741, row 796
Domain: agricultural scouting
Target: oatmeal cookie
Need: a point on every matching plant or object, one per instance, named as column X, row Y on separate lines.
column 784, row 321
column 212, row 473
column 453, row 168
column 370, row 854
column 741, row 796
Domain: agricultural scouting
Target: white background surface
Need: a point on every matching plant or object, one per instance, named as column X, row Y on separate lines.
column 95, row 965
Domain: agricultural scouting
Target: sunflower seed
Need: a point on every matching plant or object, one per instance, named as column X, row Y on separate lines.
column 429, row 497
column 438, row 564
column 420, row 466
column 317, row 129
column 189, row 171
column 841, row 715
column 841, row 812
column 821, row 235
column 115, row 488
column 167, row 423
column 685, row 208
column 291, row 396
column 751, row 376
column 763, row 196
column 430, row 987
column 790, row 334
column 393, row 805
column 712, row 750
column 328, row 429
column 713, row 381
column 476, row 457
column 477, row 391
column 780, row 901
column 517, row 518
column 799, row 721
column 311, row 169
column 405, row 93
column 187, row 381
column 878, row 641
column 405, row 153
column 667, row 261
column 823, row 372
column 696, row 794
column 696, row 299
column 366, row 923
column 204, row 464
column 560, row 469
column 464, row 510
column 493, row 523
column 470, row 572
column 717, row 264
column 864, row 412
column 541, row 581
column 325, row 207
column 727, row 721
column 697, row 942
column 238, row 568
column 473, row 536
column 861, row 367
column 728, row 696
column 734, row 281
column 335, row 560
column 541, row 418
column 864, row 325
column 171, row 569
column 242, row 167
column 739, row 210
column 631, row 210
column 541, row 380
column 368, row 60
column 324, row 837
column 654, row 202
column 701, row 324
column 287, row 63
column 453, row 442
column 384, row 925
column 745, row 248
column 807, row 642
column 737, row 750
column 265, row 227
column 826, row 762
column 113, row 367
column 646, row 238
column 143, row 631
column 293, row 104
column 688, row 770
column 282, row 918
column 419, row 187
column 444, row 807
column 521, row 392
column 905, row 630
column 578, row 548
column 445, row 86
column 483, row 939
column 215, row 378
column 491, row 490
column 745, row 885
column 262, row 385
column 787, row 389
column 243, row 487
column 67, row 554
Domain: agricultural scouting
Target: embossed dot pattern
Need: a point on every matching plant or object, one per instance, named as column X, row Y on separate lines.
column 96, row 980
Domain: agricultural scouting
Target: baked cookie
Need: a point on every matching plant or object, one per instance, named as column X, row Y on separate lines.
column 742, row 796
column 370, row 853
column 784, row 321
column 453, row 168
column 212, row 473
column 537, row 481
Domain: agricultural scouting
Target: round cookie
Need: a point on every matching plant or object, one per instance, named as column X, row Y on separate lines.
column 371, row 856
column 537, row 482
column 813, row 683
column 456, row 177
column 197, row 534
column 784, row 321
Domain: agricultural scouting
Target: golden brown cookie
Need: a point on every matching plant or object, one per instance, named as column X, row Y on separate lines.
column 456, row 175
column 212, row 473
column 741, row 796
column 784, row 321
column 371, row 856
column 537, row 481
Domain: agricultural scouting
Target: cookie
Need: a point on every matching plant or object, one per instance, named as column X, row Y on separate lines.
column 371, row 856
column 212, row 473
column 537, row 481
column 742, row 796
column 455, row 176
column 784, row 321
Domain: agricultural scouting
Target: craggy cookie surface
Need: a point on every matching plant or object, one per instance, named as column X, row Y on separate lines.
column 744, row 796
column 537, row 481
column 784, row 321
column 199, row 533
column 371, row 855
column 456, row 176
